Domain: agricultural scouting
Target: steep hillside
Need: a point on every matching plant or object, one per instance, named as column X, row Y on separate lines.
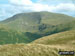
column 23, row 22
column 30, row 22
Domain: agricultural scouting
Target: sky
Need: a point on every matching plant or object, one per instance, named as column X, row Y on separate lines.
column 8, row 8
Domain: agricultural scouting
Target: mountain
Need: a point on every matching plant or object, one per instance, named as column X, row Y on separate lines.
column 31, row 22
column 27, row 27
column 42, row 23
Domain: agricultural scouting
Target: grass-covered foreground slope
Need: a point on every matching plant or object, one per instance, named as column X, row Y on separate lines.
column 33, row 50
column 66, row 38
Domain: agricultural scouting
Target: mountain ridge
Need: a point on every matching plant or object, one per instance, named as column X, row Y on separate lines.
column 33, row 19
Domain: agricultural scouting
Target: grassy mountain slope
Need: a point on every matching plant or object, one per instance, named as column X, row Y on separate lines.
column 30, row 22
column 55, row 18
column 23, row 22
column 8, row 36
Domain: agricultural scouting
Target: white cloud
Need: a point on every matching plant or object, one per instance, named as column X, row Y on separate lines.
column 8, row 10
column 39, row 7
column 66, row 6
column 21, row 2
column 28, row 4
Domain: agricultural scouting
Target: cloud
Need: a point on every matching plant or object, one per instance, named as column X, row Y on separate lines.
column 39, row 7
column 59, row 0
column 21, row 2
column 62, row 7
column 65, row 7
column 8, row 10
column 29, row 5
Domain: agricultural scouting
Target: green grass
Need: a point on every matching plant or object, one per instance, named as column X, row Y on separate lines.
column 9, row 36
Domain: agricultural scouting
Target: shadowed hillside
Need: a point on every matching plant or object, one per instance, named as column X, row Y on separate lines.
column 8, row 36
